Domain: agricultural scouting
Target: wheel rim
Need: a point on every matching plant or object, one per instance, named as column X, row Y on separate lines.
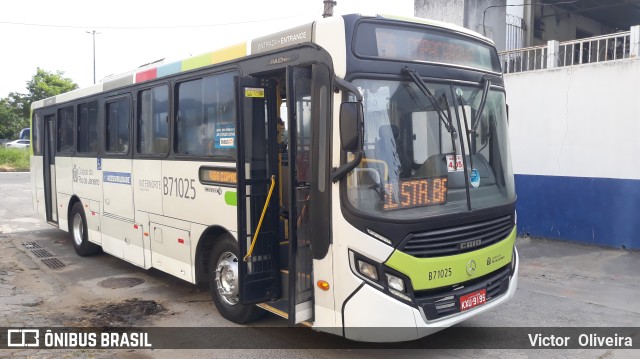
column 78, row 229
column 227, row 278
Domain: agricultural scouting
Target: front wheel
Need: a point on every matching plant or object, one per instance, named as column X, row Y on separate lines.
column 79, row 235
column 224, row 283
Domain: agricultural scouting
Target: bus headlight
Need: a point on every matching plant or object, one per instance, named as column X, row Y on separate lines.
column 367, row 270
column 395, row 282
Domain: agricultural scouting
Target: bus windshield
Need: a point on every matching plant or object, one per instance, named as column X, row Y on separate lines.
column 414, row 166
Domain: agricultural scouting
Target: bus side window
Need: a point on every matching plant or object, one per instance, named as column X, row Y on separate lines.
column 65, row 130
column 88, row 127
column 205, row 117
column 117, row 134
column 153, row 121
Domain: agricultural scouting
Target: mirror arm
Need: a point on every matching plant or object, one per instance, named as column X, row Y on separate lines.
column 347, row 86
column 338, row 173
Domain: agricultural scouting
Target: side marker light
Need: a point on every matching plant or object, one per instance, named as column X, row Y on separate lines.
column 323, row 284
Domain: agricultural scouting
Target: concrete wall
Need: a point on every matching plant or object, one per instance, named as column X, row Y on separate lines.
column 576, row 154
column 468, row 13
column 495, row 19
column 451, row 11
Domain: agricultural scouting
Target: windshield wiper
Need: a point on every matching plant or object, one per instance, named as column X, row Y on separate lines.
column 483, row 100
column 422, row 86
column 446, row 120
column 468, row 132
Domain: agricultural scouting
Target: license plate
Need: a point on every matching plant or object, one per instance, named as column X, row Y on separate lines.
column 473, row 300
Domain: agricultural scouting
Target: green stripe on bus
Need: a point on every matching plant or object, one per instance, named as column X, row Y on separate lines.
column 196, row 62
column 450, row 270
column 231, row 198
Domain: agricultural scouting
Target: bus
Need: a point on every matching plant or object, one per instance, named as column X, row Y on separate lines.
column 347, row 174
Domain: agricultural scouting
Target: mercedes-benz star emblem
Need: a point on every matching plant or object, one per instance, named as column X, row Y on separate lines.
column 471, row 267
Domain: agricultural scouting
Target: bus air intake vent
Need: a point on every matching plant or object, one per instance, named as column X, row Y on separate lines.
column 459, row 239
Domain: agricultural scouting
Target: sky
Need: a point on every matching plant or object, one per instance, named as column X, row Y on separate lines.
column 135, row 32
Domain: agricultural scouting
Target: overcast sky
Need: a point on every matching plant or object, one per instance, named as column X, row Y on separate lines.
column 136, row 32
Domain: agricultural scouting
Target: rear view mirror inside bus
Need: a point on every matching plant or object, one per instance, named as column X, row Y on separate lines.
column 350, row 120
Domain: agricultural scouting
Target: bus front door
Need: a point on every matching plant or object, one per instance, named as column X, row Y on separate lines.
column 49, row 168
column 258, row 213
column 300, row 286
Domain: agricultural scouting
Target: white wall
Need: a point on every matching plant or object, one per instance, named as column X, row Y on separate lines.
column 580, row 121
column 575, row 145
column 515, row 8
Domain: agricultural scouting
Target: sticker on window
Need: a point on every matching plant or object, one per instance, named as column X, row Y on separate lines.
column 253, row 92
column 225, row 136
column 454, row 166
column 475, row 178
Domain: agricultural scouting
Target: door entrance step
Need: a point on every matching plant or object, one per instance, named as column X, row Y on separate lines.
column 279, row 308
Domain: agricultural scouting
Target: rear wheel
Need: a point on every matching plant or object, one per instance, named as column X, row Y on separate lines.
column 224, row 282
column 79, row 235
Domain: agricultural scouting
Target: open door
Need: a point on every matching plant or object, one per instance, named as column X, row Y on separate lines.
column 256, row 128
column 300, row 257
column 49, row 168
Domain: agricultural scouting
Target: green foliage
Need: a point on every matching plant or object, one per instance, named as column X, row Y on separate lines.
column 14, row 109
column 11, row 121
column 14, row 159
column 42, row 85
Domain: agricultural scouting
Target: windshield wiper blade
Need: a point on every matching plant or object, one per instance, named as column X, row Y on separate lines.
column 446, row 120
column 422, row 86
column 466, row 125
column 483, row 100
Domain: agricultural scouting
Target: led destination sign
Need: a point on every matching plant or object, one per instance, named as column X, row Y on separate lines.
column 424, row 45
column 417, row 192
column 221, row 176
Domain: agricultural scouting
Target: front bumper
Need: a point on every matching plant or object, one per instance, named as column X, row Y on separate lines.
column 371, row 315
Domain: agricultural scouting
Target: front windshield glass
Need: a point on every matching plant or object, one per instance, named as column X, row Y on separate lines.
column 414, row 164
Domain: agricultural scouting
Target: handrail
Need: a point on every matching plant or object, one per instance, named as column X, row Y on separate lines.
column 264, row 211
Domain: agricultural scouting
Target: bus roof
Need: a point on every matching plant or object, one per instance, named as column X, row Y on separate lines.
column 285, row 38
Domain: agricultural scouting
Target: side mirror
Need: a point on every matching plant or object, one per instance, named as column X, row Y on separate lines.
column 351, row 116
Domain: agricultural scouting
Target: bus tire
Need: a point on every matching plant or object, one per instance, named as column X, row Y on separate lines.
column 79, row 233
column 224, row 282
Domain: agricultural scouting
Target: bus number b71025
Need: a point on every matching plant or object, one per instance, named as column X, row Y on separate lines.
column 180, row 187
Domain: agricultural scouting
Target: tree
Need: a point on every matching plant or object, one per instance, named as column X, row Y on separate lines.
column 10, row 121
column 15, row 109
column 42, row 85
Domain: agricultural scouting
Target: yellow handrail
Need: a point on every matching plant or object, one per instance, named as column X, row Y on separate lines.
column 264, row 211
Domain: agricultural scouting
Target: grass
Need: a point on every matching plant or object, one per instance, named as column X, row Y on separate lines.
column 14, row 159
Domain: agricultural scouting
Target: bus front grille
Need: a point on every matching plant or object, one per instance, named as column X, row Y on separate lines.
column 443, row 302
column 459, row 239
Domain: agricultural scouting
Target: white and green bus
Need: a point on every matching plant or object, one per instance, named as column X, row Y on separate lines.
column 350, row 173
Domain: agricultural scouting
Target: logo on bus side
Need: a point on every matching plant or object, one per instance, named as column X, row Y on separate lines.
column 85, row 176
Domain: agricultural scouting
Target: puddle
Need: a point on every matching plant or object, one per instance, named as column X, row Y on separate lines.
column 124, row 313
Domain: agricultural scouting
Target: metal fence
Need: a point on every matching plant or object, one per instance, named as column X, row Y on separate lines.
column 527, row 59
column 515, row 32
column 616, row 46
column 595, row 49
